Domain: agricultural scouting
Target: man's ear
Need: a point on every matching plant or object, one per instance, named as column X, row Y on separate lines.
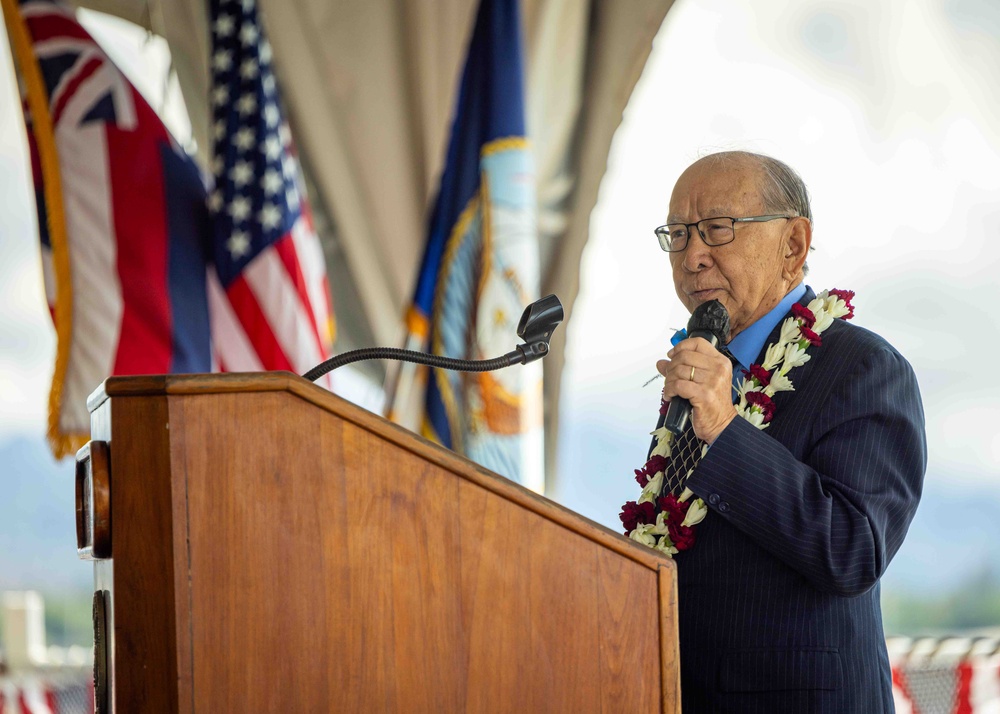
column 797, row 239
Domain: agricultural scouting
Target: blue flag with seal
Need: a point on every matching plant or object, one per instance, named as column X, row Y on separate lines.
column 480, row 268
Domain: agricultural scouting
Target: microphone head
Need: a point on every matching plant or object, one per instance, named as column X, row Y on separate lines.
column 540, row 319
column 710, row 317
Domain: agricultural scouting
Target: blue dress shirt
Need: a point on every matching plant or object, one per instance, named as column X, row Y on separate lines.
column 747, row 345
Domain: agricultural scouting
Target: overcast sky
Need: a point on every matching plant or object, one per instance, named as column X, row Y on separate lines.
column 890, row 112
column 888, row 109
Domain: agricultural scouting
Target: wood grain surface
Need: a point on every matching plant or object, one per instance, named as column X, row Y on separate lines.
column 287, row 551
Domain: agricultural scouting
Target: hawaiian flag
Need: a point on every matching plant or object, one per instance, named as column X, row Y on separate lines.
column 481, row 268
column 270, row 305
column 122, row 217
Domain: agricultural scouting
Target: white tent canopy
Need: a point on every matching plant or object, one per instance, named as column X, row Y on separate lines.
column 369, row 89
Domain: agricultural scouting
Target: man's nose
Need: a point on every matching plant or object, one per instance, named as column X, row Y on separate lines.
column 697, row 253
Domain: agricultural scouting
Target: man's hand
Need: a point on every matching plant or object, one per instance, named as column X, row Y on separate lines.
column 709, row 387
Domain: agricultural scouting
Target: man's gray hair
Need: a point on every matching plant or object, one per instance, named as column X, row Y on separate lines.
column 785, row 190
column 782, row 190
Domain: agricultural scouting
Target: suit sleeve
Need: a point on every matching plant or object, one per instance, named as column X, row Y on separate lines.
column 839, row 515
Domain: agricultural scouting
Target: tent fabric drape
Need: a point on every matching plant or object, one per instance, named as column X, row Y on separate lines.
column 618, row 43
column 369, row 89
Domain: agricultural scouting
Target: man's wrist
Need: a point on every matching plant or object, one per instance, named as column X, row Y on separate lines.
column 716, row 433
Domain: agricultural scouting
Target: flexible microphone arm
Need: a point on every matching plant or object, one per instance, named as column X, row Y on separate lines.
column 463, row 365
column 536, row 326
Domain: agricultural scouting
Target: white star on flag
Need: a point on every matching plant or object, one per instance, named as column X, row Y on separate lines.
column 222, row 61
column 247, row 105
column 244, row 139
column 248, row 34
column 224, row 25
column 272, row 148
column 271, row 114
column 241, row 173
column 220, row 95
column 270, row 216
column 272, row 182
column 249, row 68
column 239, row 209
column 238, row 244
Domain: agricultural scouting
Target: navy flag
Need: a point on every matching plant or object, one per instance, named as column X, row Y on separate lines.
column 480, row 268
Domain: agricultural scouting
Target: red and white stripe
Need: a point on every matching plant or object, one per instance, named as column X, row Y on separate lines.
column 974, row 684
column 93, row 252
column 274, row 316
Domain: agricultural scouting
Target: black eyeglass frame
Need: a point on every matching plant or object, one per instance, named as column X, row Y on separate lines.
column 663, row 235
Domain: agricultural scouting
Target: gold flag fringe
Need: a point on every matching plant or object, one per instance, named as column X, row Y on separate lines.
column 61, row 443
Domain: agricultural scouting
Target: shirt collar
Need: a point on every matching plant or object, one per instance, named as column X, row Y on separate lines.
column 747, row 345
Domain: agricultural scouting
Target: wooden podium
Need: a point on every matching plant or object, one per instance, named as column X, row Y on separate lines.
column 261, row 545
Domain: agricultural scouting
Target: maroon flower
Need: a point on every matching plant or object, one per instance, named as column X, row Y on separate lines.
column 635, row 513
column 846, row 296
column 807, row 334
column 682, row 536
column 805, row 314
column 663, row 406
column 759, row 399
column 762, row 376
column 655, row 463
column 676, row 511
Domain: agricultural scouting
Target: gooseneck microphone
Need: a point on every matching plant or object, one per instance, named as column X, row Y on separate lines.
column 711, row 322
column 536, row 326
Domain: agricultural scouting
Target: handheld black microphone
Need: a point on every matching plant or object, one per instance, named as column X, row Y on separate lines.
column 711, row 322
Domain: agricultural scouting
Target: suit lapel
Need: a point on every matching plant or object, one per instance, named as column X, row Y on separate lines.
column 776, row 332
column 797, row 374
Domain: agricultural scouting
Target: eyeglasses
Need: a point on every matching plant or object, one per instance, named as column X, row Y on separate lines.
column 673, row 237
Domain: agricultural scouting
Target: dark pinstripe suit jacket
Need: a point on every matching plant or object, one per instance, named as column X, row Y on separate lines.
column 779, row 597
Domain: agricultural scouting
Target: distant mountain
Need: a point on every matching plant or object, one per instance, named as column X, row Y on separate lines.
column 954, row 537
column 37, row 519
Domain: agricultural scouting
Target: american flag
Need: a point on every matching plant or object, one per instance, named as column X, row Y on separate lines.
column 270, row 306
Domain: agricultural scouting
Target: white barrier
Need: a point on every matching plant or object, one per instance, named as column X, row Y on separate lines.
column 946, row 675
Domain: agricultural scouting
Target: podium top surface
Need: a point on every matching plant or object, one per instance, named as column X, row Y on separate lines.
column 230, row 383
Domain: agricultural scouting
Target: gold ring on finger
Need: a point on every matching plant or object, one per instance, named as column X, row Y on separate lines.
column 691, row 378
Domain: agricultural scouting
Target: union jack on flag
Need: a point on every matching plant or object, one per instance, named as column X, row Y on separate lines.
column 122, row 219
column 270, row 306
column 128, row 240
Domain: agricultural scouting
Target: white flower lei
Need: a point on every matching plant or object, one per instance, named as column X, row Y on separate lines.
column 755, row 405
column 790, row 352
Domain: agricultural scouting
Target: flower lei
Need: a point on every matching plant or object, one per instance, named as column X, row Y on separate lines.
column 666, row 523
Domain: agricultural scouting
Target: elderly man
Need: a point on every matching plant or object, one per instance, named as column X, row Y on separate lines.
column 810, row 475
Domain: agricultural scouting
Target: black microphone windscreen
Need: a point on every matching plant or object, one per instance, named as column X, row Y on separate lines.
column 710, row 317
